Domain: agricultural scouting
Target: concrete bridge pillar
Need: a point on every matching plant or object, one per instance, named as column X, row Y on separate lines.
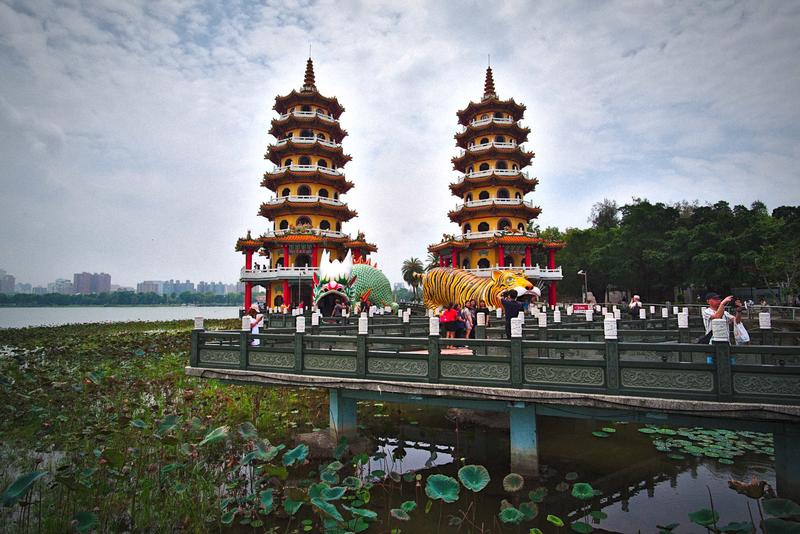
column 342, row 413
column 787, row 465
column 524, row 442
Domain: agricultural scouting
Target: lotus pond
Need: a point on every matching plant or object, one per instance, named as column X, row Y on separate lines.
column 100, row 430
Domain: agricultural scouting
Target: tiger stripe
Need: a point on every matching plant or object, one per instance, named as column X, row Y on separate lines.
column 444, row 285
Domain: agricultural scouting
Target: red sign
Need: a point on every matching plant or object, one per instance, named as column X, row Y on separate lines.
column 581, row 307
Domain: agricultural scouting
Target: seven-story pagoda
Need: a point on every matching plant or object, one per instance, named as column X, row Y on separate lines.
column 493, row 215
column 307, row 212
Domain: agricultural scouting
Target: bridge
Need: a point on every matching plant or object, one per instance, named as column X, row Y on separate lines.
column 599, row 369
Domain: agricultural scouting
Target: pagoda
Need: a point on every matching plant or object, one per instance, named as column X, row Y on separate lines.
column 307, row 211
column 494, row 219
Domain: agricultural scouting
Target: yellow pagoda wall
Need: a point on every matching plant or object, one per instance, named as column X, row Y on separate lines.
column 493, row 191
column 493, row 221
column 492, row 164
column 316, row 220
column 294, row 189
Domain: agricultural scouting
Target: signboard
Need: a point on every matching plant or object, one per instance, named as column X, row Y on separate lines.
column 581, row 307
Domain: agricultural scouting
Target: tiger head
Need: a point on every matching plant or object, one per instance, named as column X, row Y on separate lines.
column 507, row 280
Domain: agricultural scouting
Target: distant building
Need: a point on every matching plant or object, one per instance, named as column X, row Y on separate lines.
column 88, row 283
column 398, row 286
column 23, row 288
column 62, row 286
column 150, row 286
column 176, row 287
column 39, row 290
column 7, row 283
column 117, row 287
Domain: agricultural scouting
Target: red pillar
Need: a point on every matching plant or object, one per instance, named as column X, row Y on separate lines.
column 287, row 297
column 454, row 258
column 551, row 264
column 528, row 256
column 268, row 296
column 441, row 261
column 248, row 258
column 248, row 295
column 501, row 260
column 314, row 256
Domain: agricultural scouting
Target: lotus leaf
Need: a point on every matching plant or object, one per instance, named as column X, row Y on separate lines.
column 227, row 517
column 667, row 431
column 704, row 517
column 352, row 482
column 572, row 475
column 328, row 508
column 442, row 487
column 336, row 465
column 598, row 515
column 85, row 521
column 361, row 512
column 291, row 506
column 215, row 435
column 511, row 515
column 781, row 507
column 741, row 527
column 599, row 434
column 138, row 423
column 582, row 490
column 538, row 494
column 555, row 520
column 529, row 509
column 169, row 423
column 20, row 486
column 267, row 499
column 726, row 461
column 513, row 482
column 581, row 527
column 608, row 429
column 248, row 431
column 535, row 531
column 474, row 477
column 648, row 430
column 676, row 456
column 331, row 477
column 296, row 455
column 399, row 513
column 775, row 525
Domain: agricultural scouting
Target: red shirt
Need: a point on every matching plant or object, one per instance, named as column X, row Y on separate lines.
column 449, row 315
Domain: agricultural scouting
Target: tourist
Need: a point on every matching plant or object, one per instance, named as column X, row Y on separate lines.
column 255, row 322
column 482, row 308
column 447, row 322
column 511, row 308
column 466, row 315
column 716, row 310
column 473, row 311
column 634, row 306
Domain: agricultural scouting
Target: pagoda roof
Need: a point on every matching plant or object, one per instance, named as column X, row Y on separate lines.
column 516, row 154
column 361, row 244
column 494, row 208
column 298, row 205
column 320, row 148
column 491, row 239
column 313, row 97
column 519, row 180
column 274, row 180
column 491, row 104
column 491, row 127
column 289, row 121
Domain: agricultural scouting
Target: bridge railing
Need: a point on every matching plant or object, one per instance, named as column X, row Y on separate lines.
column 613, row 366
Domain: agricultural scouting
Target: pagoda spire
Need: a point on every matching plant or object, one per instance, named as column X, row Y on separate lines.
column 488, row 87
column 308, row 81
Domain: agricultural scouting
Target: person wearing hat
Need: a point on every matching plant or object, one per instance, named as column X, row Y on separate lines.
column 511, row 308
column 255, row 322
column 716, row 310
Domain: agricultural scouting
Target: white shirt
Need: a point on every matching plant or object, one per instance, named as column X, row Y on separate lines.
column 709, row 312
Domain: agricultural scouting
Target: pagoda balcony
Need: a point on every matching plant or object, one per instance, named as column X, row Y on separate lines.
column 490, row 120
column 535, row 272
column 307, row 115
column 495, row 202
column 304, row 198
column 307, row 141
column 279, row 273
column 307, row 168
column 310, row 231
column 496, row 172
column 491, row 144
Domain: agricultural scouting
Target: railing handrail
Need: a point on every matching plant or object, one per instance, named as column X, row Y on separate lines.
column 494, row 201
column 497, row 120
column 305, row 198
column 315, row 231
column 284, row 270
column 496, row 144
column 319, row 114
column 306, row 168
column 498, row 172
column 307, row 140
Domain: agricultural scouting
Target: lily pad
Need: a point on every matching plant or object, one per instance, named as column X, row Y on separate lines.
column 572, row 475
column 648, row 430
column 781, row 507
column 442, row 487
column 608, row 429
column 296, row 455
column 248, row 431
column 775, row 525
column 352, row 482
column 266, row 499
column 291, row 506
column 582, row 490
column 555, row 520
column 513, row 482
column 581, row 527
column 726, row 461
column 538, row 494
column 328, row 508
column 20, row 487
column 529, row 509
column 85, row 521
column 214, row 436
column 598, row 515
column 741, row 527
column 169, row 423
column 474, row 477
column 511, row 515
column 599, row 434
column 562, row 486
column 409, row 506
column 362, row 512
column 704, row 517
column 676, row 456
column 400, row 514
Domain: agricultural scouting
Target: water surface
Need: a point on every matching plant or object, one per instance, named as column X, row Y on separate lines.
column 60, row 315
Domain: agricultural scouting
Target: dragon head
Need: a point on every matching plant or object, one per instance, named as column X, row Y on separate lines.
column 335, row 278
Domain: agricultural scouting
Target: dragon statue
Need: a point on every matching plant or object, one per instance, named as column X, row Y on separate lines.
column 350, row 281
column 444, row 285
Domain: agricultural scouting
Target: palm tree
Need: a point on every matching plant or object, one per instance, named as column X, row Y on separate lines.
column 432, row 261
column 411, row 267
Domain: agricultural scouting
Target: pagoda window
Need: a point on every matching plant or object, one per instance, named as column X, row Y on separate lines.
column 470, row 170
column 484, row 167
column 484, row 116
column 484, row 140
column 336, row 196
column 305, row 160
column 304, row 191
column 509, row 261
column 287, row 162
column 483, row 227
column 502, row 193
column 306, row 133
column 517, row 195
column 302, row 260
column 321, row 136
column 514, row 167
column 284, row 226
column 279, row 263
column 500, row 139
column 322, row 163
column 501, row 165
column 323, row 193
column 483, row 195
column 303, row 221
column 467, row 228
column 306, row 108
column 465, row 263
column 521, row 227
column 324, row 225
column 338, row 227
column 503, row 224
column 468, row 198
column 483, row 263
column 498, row 115
column 285, row 192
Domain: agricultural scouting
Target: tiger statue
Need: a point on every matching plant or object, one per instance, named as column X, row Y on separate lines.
column 444, row 285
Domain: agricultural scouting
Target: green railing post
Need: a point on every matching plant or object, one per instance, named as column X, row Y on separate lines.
column 683, row 336
column 543, row 335
column 299, row 333
column 407, row 323
column 244, row 342
column 433, row 349
column 361, row 346
column 480, row 333
column 516, row 352
column 722, row 358
column 194, row 355
column 612, row 354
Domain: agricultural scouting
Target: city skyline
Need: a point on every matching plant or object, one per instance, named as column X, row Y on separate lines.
column 623, row 101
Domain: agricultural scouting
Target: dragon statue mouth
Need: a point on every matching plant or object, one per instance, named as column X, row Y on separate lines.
column 334, row 279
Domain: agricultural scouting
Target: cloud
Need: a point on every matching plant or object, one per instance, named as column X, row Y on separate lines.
column 132, row 133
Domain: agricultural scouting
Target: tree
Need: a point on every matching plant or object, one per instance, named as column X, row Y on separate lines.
column 605, row 214
column 412, row 267
column 431, row 261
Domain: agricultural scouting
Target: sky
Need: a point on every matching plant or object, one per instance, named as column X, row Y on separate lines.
column 132, row 133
